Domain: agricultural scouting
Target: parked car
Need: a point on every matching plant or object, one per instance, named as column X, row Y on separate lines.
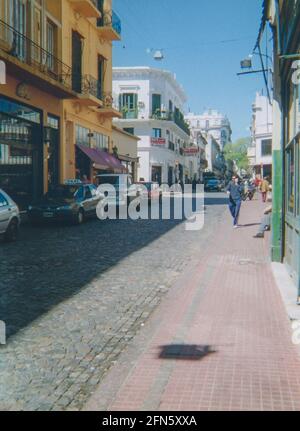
column 68, row 202
column 149, row 190
column 212, row 184
column 125, row 189
column 9, row 217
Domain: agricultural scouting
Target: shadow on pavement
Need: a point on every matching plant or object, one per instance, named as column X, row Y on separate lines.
column 50, row 264
column 185, row 351
column 250, row 225
column 217, row 200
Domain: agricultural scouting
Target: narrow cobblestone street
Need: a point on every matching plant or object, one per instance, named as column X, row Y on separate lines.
column 73, row 298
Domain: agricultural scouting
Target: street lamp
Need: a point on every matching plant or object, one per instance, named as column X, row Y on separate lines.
column 246, row 64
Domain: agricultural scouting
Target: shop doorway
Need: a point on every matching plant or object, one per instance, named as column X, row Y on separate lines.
column 156, row 175
column 53, row 131
column 83, row 165
column 20, row 159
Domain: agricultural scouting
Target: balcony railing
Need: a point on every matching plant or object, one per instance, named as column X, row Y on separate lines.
column 91, row 86
column 28, row 52
column 129, row 114
column 108, row 100
column 178, row 119
column 87, row 86
column 110, row 19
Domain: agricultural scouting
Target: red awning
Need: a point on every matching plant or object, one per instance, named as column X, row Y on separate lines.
column 103, row 160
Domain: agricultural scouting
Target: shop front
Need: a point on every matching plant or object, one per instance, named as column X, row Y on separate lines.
column 21, row 151
column 292, row 210
column 156, row 174
column 124, row 145
column 91, row 162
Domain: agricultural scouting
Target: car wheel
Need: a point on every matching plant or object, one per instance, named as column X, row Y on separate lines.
column 12, row 231
column 80, row 217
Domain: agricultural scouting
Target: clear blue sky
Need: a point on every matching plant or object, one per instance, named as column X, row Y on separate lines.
column 203, row 42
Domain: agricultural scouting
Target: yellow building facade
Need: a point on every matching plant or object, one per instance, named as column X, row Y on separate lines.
column 125, row 145
column 56, row 102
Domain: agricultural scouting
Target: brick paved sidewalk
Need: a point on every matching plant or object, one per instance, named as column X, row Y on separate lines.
column 229, row 307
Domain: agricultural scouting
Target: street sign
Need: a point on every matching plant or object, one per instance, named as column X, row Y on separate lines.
column 190, row 151
column 158, row 141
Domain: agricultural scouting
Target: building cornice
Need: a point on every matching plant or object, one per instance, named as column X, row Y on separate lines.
column 150, row 122
column 149, row 72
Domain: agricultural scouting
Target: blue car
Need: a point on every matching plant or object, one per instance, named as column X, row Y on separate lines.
column 213, row 185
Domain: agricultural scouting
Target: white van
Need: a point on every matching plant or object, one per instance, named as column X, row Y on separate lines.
column 126, row 190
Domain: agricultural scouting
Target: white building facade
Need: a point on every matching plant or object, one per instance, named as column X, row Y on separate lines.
column 152, row 103
column 211, row 122
column 260, row 152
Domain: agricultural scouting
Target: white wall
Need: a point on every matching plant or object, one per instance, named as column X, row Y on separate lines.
column 262, row 127
column 214, row 123
column 144, row 82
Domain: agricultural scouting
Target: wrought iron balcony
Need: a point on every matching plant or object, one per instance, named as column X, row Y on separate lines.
column 109, row 26
column 129, row 114
column 108, row 107
column 91, row 86
column 88, row 89
column 177, row 117
column 18, row 49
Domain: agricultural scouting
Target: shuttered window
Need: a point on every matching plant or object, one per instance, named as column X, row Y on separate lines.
column 156, row 103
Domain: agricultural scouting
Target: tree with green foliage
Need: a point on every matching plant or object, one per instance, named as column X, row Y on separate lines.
column 237, row 153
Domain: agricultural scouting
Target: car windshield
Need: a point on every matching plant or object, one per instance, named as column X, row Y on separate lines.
column 212, row 181
column 62, row 193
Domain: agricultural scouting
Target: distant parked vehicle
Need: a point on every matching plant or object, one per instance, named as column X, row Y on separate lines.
column 249, row 194
column 68, row 202
column 9, row 217
column 124, row 187
column 212, row 185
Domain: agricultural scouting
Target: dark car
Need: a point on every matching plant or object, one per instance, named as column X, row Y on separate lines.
column 213, row 185
column 69, row 202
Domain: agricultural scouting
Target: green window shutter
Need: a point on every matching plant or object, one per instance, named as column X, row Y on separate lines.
column 156, row 103
column 135, row 101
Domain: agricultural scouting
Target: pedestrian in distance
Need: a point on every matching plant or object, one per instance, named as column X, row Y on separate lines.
column 235, row 191
column 257, row 183
column 264, row 188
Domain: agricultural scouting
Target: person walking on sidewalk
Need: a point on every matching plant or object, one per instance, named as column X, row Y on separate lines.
column 264, row 188
column 235, row 190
